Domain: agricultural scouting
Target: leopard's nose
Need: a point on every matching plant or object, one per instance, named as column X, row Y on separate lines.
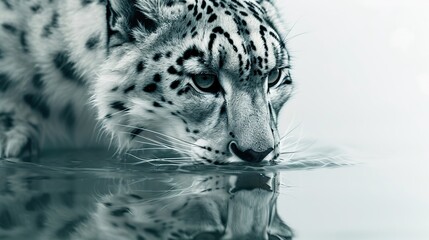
column 249, row 155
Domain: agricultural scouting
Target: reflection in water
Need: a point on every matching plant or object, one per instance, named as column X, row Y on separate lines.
column 45, row 201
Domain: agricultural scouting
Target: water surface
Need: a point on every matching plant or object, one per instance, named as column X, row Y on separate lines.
column 92, row 195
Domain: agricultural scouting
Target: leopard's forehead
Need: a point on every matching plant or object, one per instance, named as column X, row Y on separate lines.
column 238, row 36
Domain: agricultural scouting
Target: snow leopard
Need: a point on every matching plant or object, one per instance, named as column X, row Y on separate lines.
column 205, row 78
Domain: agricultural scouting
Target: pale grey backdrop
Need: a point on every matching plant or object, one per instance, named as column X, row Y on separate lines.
column 362, row 74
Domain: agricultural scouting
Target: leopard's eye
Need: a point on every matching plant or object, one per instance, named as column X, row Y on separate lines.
column 206, row 82
column 274, row 77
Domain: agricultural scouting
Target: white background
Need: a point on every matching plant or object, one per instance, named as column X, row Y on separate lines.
column 362, row 74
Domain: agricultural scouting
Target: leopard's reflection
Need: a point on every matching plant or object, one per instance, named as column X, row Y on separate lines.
column 236, row 206
column 141, row 206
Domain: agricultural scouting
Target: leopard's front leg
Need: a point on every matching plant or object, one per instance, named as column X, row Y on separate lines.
column 20, row 132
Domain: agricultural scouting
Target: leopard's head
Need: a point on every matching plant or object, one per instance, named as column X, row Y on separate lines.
column 205, row 77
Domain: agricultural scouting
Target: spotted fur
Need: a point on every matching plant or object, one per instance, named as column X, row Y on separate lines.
column 130, row 65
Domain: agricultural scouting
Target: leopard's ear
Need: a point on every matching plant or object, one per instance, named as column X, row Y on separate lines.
column 125, row 18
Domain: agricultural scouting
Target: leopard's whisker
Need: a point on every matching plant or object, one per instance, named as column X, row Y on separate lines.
column 142, row 149
column 291, row 28
column 296, row 35
column 288, row 152
column 161, row 134
column 296, row 144
column 162, row 146
column 288, row 132
column 303, row 148
column 164, row 139
column 152, row 142
column 150, row 139
column 174, row 161
column 167, row 146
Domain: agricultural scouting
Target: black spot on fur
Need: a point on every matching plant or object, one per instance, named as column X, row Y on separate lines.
column 23, row 41
column 244, row 13
column 67, row 67
column 150, row 88
column 6, row 221
column 157, row 78
column 175, row 84
column 130, row 226
column 140, row 67
column 92, row 42
column 135, row 132
column 120, row 212
column 183, row 91
column 179, row 61
column 65, row 231
column 6, row 121
column 252, row 44
column 1, row 54
column 38, row 202
column 36, row 8
column 192, row 52
column 211, row 42
column 135, row 196
column 129, row 89
column 7, row 4
column 37, row 103
column 218, row 29
column 172, row 70
column 5, row 82
column 157, row 57
column 209, row 10
column 119, row 106
column 212, row 18
column 86, row 2
column 67, row 116
column 37, row 81
column 47, row 29
column 10, row 28
column 156, row 104
column 153, row 232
